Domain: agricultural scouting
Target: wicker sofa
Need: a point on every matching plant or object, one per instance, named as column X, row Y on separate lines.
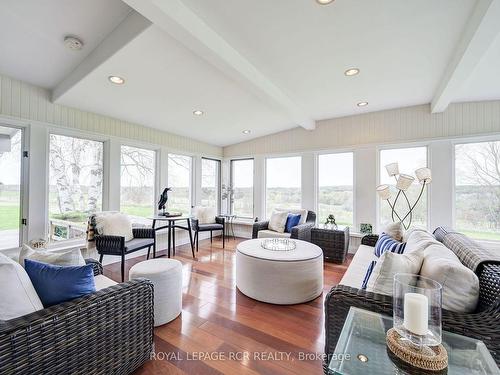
column 106, row 332
column 299, row 232
column 482, row 324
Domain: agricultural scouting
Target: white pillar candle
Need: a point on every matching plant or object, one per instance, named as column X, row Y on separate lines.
column 416, row 313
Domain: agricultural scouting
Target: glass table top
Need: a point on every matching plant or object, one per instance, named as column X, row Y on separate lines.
column 361, row 349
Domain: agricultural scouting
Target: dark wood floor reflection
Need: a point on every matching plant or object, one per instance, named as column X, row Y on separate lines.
column 221, row 331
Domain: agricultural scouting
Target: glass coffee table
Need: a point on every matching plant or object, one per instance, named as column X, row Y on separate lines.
column 361, row 349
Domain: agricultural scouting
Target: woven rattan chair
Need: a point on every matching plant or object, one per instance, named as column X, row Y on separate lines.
column 483, row 324
column 106, row 332
column 299, row 232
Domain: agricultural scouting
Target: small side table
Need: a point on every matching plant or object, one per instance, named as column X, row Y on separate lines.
column 229, row 225
column 333, row 241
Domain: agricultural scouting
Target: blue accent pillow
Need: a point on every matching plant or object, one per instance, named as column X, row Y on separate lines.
column 56, row 284
column 387, row 243
column 292, row 221
column 369, row 271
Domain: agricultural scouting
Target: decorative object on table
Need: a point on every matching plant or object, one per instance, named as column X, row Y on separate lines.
column 38, row 244
column 416, row 334
column 330, row 220
column 366, row 228
column 227, row 193
column 403, row 183
column 278, row 244
column 333, row 241
column 163, row 201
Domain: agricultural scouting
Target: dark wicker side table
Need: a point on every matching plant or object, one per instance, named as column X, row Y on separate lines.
column 333, row 242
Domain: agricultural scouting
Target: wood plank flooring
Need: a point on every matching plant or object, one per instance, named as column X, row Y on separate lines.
column 221, row 331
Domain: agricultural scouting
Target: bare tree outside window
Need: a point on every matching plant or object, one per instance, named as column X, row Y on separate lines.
column 283, row 183
column 179, row 179
column 477, row 189
column 210, row 183
column 241, row 199
column 75, row 184
column 137, row 182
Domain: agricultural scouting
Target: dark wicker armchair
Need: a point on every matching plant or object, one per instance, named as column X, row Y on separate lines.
column 483, row 324
column 300, row 232
column 116, row 245
column 107, row 332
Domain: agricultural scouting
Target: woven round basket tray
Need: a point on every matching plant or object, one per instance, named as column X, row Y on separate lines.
column 433, row 358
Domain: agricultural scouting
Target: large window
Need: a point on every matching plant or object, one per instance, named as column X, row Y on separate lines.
column 179, row 180
column 283, row 183
column 335, row 187
column 75, row 185
column 210, row 183
column 477, row 189
column 409, row 159
column 241, row 197
column 137, row 182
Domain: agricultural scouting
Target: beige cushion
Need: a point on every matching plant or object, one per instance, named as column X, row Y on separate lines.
column 205, row 215
column 115, row 224
column 17, row 294
column 272, row 234
column 302, row 212
column 356, row 271
column 460, row 284
column 102, row 282
column 277, row 221
column 389, row 264
column 395, row 230
column 60, row 257
column 419, row 239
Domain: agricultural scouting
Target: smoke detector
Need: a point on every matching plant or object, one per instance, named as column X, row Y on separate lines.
column 73, row 43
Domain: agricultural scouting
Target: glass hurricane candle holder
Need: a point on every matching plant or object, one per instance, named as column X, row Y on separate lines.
column 417, row 309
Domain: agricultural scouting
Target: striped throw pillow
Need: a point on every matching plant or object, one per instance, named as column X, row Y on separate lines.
column 368, row 274
column 387, row 243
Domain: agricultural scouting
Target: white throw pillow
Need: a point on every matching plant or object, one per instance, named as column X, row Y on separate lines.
column 277, row 221
column 116, row 224
column 460, row 284
column 419, row 239
column 17, row 294
column 395, row 230
column 389, row 264
column 60, row 257
column 295, row 211
column 205, row 215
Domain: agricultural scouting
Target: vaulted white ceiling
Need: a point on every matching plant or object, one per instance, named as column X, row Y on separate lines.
column 260, row 65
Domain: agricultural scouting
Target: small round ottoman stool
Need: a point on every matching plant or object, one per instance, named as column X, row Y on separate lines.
column 166, row 276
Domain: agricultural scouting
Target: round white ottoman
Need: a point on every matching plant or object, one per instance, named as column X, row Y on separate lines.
column 166, row 276
column 279, row 277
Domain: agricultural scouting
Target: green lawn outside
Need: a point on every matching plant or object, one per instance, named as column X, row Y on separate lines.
column 9, row 216
column 490, row 236
column 134, row 210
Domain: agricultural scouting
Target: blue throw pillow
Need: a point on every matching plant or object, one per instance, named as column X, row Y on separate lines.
column 387, row 243
column 291, row 221
column 369, row 271
column 56, row 284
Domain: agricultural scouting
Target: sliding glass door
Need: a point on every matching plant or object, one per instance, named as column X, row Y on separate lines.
column 11, row 141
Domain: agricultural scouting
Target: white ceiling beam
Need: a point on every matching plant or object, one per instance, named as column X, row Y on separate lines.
column 480, row 32
column 131, row 27
column 174, row 17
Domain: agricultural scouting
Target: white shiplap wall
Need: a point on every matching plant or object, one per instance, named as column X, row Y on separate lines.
column 20, row 100
column 393, row 126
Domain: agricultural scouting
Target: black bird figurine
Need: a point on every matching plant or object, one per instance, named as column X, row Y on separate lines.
column 163, row 201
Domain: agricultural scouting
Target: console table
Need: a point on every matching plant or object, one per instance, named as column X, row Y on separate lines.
column 333, row 241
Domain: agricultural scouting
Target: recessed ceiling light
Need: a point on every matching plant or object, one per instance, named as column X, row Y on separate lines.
column 362, row 104
column 246, row 131
column 324, row 2
column 351, row 72
column 73, row 43
column 197, row 112
column 116, row 80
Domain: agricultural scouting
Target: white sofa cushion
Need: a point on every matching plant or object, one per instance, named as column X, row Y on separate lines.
column 395, row 230
column 277, row 221
column 356, row 271
column 389, row 264
column 460, row 284
column 272, row 234
column 60, row 257
column 17, row 294
column 299, row 211
column 115, row 224
column 102, row 282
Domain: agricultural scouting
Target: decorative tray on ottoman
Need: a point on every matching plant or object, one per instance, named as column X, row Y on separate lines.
column 278, row 244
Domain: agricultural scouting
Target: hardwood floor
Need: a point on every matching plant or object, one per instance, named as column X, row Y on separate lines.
column 221, row 331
